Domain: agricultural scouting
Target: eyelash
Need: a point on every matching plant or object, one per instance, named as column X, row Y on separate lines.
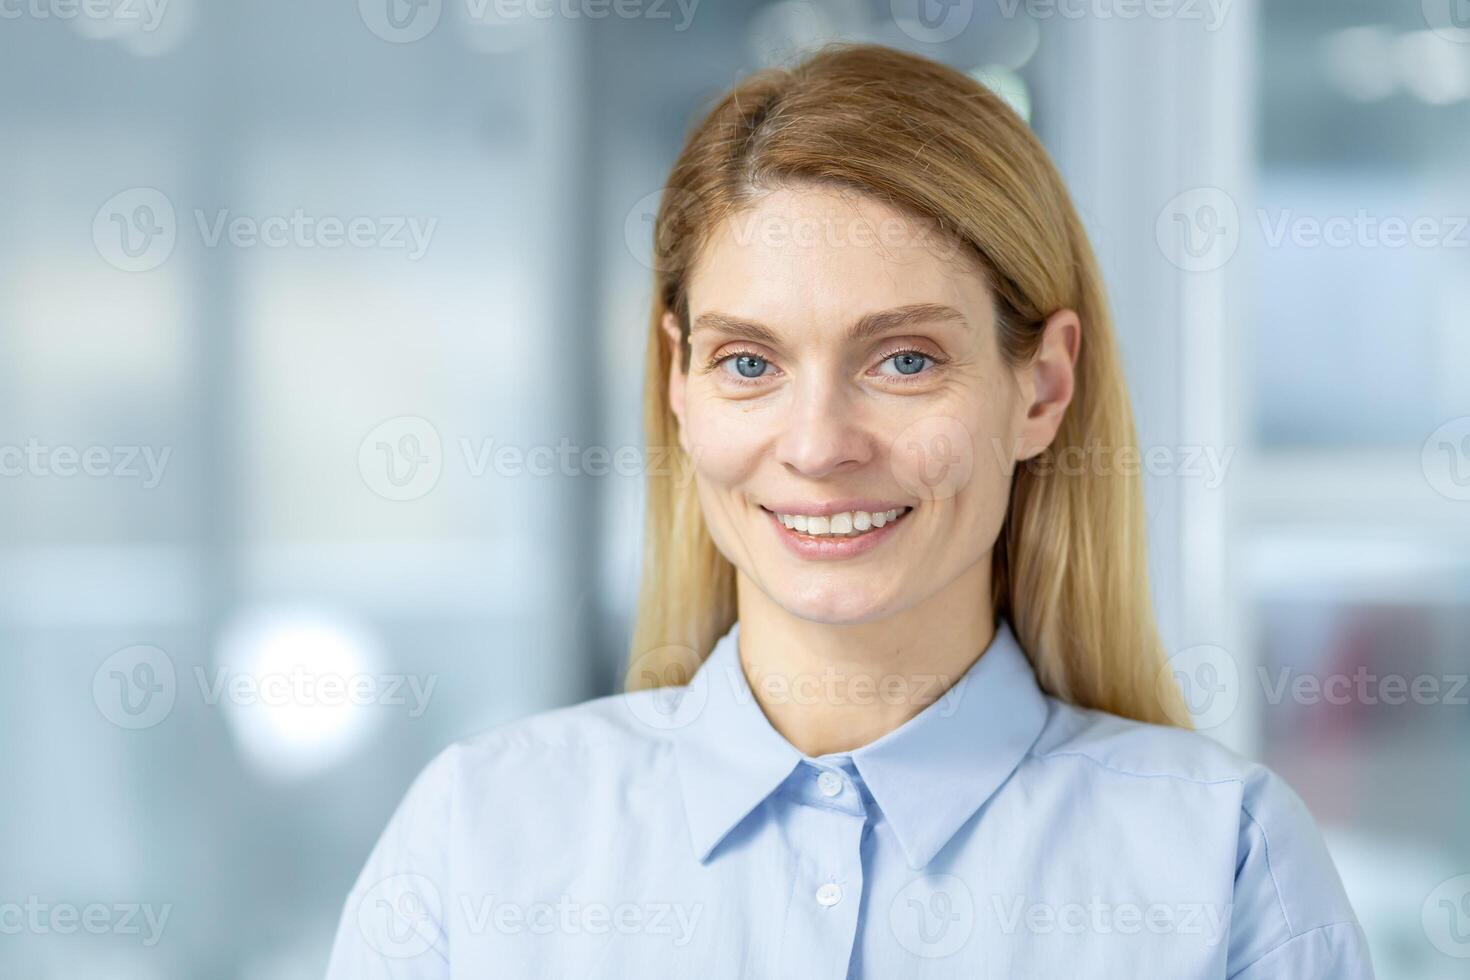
column 935, row 362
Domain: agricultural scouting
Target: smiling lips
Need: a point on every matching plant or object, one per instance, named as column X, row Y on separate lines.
column 837, row 534
column 847, row 522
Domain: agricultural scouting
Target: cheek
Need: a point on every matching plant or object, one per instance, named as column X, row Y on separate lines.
column 726, row 442
column 956, row 461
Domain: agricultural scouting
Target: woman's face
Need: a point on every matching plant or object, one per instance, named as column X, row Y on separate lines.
column 845, row 366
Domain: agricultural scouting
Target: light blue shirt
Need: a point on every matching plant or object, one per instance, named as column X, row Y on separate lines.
column 998, row 833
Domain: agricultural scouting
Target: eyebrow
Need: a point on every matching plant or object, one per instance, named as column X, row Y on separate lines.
column 870, row 325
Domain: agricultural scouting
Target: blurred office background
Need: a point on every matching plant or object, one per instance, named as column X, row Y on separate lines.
column 286, row 287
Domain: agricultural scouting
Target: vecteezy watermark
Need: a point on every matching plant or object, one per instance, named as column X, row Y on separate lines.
column 1209, row 686
column 35, row 459
column 1446, row 917
column 1446, row 459
column 675, row 921
column 832, row 687
column 1201, row 229
column 300, row 687
column 137, row 229
column 137, row 687
column 142, row 15
column 35, row 917
column 1018, row 913
column 1363, row 229
column 932, row 916
column 684, row 213
column 1364, row 687
column 1209, row 13
column 402, row 459
column 406, row 21
column 402, row 916
column 1208, row 464
column 774, row 230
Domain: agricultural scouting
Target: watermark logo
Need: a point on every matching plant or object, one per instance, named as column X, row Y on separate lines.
column 1446, row 917
column 933, row 458
column 399, row 916
column 402, row 458
column 932, row 21
column 1207, row 679
column 684, row 212
column 135, row 688
column 1446, row 459
column 1449, row 19
column 668, row 671
column 933, row 916
column 400, row 21
column 135, row 230
column 1199, row 230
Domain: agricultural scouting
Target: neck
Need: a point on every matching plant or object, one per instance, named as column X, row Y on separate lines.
column 836, row 687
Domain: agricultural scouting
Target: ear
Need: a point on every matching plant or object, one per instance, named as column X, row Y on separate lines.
column 678, row 381
column 1048, row 381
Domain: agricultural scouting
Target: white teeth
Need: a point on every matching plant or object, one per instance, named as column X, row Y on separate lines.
column 845, row 524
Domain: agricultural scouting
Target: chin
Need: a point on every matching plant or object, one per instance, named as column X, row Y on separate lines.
column 835, row 605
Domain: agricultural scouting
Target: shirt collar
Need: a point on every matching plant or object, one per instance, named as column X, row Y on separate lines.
column 929, row 775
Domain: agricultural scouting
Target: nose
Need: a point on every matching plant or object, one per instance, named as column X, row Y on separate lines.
column 823, row 432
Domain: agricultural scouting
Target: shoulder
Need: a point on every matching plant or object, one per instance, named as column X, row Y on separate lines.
column 628, row 732
column 637, row 721
column 1138, row 750
column 1286, row 892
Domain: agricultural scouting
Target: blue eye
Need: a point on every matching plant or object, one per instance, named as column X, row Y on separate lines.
column 909, row 362
column 749, row 365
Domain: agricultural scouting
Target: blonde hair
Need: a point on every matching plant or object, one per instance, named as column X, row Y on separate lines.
column 1069, row 566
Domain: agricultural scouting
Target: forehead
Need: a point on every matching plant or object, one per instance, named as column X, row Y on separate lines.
column 821, row 257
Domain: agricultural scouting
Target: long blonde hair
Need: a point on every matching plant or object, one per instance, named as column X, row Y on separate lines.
column 1069, row 567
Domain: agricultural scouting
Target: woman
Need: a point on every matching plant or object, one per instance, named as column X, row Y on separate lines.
column 929, row 730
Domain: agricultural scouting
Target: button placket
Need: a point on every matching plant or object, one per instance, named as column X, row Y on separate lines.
column 821, row 922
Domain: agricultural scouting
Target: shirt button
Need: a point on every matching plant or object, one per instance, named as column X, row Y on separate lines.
column 829, row 895
column 829, row 783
